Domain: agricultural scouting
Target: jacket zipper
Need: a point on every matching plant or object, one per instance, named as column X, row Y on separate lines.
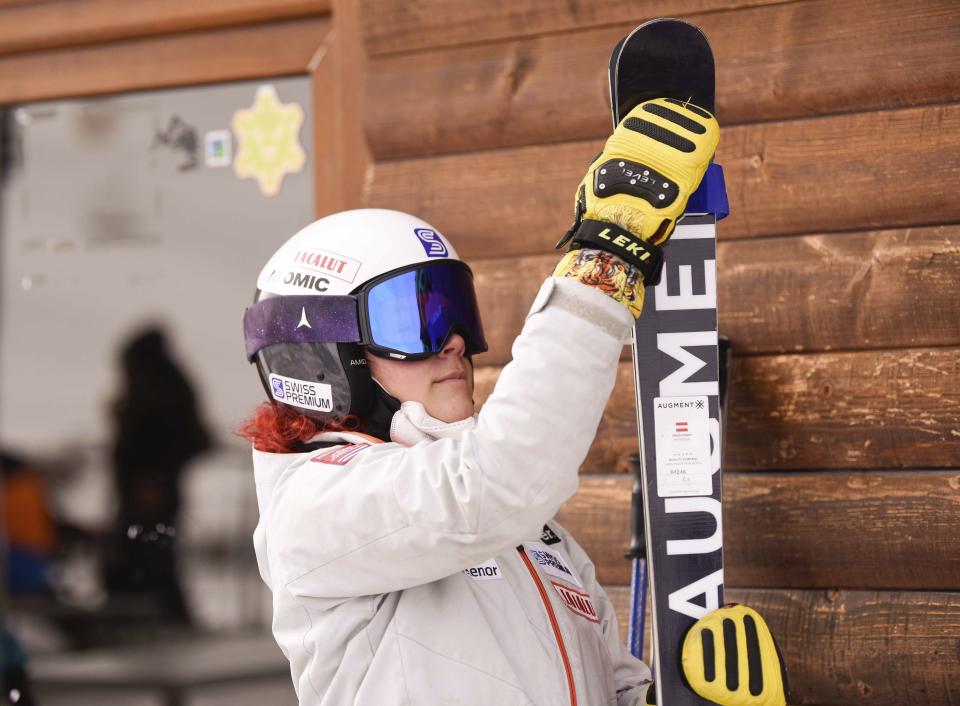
column 553, row 623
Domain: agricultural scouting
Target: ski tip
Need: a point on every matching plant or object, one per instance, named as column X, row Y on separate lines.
column 663, row 57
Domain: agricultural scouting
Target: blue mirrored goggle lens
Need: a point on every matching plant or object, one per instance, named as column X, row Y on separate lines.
column 415, row 312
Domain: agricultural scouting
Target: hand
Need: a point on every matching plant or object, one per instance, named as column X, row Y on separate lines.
column 632, row 195
column 730, row 658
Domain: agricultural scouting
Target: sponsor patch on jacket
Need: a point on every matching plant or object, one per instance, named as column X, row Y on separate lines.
column 341, row 455
column 579, row 602
column 487, row 571
column 548, row 536
column 552, row 562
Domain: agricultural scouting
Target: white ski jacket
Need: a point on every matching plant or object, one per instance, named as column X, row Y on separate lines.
column 428, row 570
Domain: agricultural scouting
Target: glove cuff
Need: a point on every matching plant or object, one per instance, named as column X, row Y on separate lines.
column 604, row 271
column 644, row 256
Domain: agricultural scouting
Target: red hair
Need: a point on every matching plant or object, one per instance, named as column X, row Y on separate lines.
column 276, row 428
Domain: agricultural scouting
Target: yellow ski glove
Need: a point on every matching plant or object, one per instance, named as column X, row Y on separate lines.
column 633, row 194
column 648, row 169
column 730, row 658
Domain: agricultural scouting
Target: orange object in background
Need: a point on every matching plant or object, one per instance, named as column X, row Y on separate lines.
column 27, row 520
column 29, row 531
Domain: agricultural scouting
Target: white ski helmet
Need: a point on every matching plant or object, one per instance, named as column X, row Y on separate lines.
column 368, row 280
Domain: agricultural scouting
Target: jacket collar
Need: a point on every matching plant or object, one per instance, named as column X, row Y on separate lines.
column 411, row 425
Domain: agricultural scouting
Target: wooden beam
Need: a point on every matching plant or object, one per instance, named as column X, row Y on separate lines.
column 856, row 647
column 52, row 25
column 872, row 409
column 846, row 172
column 13, row 3
column 343, row 158
column 392, row 26
column 260, row 51
column 811, row 59
column 858, row 410
column 882, row 289
column 803, row 530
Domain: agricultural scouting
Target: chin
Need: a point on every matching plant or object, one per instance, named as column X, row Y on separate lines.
column 454, row 413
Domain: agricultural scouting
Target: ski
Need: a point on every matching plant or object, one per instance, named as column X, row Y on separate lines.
column 677, row 371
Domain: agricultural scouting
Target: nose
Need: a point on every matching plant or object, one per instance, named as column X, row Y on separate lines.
column 455, row 346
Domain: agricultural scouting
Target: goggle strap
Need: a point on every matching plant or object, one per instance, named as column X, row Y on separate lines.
column 301, row 319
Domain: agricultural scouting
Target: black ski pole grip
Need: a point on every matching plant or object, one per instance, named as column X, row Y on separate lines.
column 638, row 534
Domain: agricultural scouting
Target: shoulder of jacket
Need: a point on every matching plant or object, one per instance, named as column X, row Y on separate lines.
column 339, row 448
column 553, row 533
column 560, row 538
column 339, row 455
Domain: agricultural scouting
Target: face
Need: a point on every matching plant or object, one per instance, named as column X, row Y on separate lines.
column 442, row 383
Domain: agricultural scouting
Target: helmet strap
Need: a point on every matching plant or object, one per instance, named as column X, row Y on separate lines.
column 378, row 420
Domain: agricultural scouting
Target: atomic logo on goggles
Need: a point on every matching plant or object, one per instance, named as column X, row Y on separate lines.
column 431, row 242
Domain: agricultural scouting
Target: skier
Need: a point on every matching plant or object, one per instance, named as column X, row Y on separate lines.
column 410, row 546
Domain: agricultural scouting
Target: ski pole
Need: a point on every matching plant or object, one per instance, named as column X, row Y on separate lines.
column 637, row 552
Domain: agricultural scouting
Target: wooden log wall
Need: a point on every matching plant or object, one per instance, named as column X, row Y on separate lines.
column 839, row 270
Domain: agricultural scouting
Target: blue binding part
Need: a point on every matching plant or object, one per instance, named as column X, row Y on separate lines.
column 711, row 195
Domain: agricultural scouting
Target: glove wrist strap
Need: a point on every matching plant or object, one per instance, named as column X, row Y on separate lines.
column 646, row 257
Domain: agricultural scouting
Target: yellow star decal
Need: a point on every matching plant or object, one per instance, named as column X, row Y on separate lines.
column 268, row 134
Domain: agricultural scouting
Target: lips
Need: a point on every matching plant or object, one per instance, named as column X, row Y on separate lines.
column 458, row 375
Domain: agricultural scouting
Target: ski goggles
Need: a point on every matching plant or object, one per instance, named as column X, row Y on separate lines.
column 407, row 314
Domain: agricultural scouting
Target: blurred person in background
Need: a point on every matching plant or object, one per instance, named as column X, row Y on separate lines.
column 158, row 431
